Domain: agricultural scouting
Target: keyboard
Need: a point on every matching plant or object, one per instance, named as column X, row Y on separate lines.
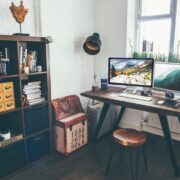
column 135, row 96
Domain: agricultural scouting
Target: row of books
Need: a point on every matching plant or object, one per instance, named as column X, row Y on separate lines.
column 32, row 93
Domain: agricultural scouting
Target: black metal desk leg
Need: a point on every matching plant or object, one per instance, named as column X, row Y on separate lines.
column 120, row 116
column 169, row 143
column 101, row 120
column 179, row 119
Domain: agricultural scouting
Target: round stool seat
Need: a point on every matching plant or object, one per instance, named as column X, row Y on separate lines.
column 129, row 137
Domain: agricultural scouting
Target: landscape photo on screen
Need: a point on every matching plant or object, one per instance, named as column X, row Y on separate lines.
column 131, row 71
column 167, row 76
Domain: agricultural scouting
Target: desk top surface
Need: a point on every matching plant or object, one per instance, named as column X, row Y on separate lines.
column 111, row 96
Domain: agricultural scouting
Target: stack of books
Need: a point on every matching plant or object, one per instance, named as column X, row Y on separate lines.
column 32, row 93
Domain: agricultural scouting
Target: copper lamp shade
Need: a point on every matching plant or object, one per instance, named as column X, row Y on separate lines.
column 92, row 44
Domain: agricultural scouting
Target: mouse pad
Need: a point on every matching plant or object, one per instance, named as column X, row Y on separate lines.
column 168, row 103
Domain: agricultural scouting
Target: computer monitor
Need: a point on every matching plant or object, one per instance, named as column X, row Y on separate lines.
column 167, row 76
column 131, row 71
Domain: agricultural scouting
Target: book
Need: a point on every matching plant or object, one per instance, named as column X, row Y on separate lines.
column 36, row 101
column 31, row 91
column 11, row 140
column 33, row 96
column 27, row 87
column 34, row 83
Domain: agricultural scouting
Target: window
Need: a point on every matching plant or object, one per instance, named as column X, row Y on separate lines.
column 159, row 26
column 177, row 32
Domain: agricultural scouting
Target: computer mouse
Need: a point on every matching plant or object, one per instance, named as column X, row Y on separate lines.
column 160, row 102
column 177, row 105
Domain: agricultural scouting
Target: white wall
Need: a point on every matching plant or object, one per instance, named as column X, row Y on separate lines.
column 69, row 23
column 114, row 21
column 110, row 23
column 8, row 23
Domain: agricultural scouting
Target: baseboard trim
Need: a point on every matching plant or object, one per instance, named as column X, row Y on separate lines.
column 149, row 129
column 157, row 131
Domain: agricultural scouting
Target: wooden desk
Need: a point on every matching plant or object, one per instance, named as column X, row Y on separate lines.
column 110, row 96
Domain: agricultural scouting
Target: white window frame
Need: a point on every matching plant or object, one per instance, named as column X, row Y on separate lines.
column 171, row 16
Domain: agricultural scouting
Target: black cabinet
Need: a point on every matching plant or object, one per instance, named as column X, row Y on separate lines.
column 36, row 118
column 3, row 162
column 12, row 158
column 38, row 146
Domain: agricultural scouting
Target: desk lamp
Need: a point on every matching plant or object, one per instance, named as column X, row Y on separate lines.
column 92, row 46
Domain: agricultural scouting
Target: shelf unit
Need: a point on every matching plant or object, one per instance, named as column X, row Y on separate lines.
column 29, row 125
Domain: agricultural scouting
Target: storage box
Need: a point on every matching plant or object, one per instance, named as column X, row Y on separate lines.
column 1, row 107
column 36, row 119
column 7, row 100
column 70, row 125
column 38, row 146
column 8, row 96
column 1, row 87
column 1, row 96
column 8, row 86
column 71, row 133
column 9, row 105
column 12, row 158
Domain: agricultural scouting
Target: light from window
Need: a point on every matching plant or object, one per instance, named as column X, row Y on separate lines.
column 157, row 32
column 177, row 35
column 155, row 7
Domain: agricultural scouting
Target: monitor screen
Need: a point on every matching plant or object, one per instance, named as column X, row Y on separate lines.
column 131, row 71
column 167, row 76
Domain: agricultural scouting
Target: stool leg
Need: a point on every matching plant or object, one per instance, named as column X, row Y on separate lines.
column 137, row 163
column 144, row 149
column 121, row 154
column 131, row 163
column 110, row 157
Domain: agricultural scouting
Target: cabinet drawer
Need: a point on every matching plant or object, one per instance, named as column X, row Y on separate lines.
column 12, row 158
column 9, row 105
column 36, row 119
column 38, row 146
column 1, row 97
column 1, row 107
column 8, row 96
column 8, row 86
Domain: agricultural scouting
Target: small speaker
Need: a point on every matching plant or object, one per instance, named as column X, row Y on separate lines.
column 169, row 95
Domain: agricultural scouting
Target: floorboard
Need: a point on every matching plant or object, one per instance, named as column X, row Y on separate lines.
column 90, row 161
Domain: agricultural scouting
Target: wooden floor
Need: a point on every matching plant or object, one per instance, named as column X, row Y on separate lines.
column 89, row 164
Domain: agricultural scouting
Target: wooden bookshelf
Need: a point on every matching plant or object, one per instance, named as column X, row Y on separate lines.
column 29, row 125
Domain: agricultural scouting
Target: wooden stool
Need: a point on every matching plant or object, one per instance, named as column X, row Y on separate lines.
column 129, row 138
